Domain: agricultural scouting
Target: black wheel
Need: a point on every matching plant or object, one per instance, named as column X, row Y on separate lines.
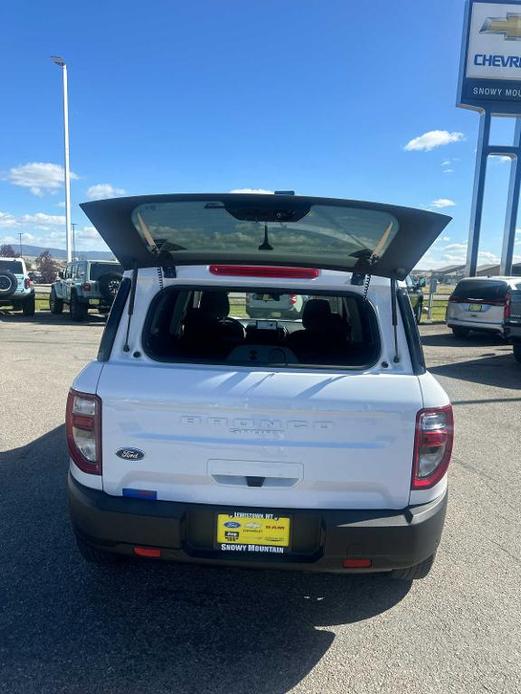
column 29, row 306
column 8, row 284
column 517, row 351
column 418, row 312
column 78, row 309
column 55, row 304
column 460, row 332
column 108, row 286
column 97, row 556
column 414, row 572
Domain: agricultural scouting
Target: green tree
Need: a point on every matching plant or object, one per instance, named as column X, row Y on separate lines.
column 47, row 265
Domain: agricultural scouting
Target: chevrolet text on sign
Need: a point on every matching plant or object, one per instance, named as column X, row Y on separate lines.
column 491, row 57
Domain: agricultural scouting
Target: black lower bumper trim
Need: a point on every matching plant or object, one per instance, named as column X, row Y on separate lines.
column 321, row 540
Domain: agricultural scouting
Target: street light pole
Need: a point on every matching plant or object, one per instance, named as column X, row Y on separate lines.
column 20, row 234
column 68, row 239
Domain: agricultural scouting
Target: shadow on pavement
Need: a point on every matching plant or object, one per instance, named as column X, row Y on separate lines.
column 153, row 627
column 502, row 371
column 447, row 339
column 48, row 318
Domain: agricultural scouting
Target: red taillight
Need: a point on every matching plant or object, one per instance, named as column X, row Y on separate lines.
column 147, row 552
column 432, row 446
column 27, row 283
column 86, row 287
column 296, row 273
column 293, row 299
column 508, row 307
column 83, row 426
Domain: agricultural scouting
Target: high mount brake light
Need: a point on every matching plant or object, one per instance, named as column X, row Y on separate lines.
column 83, row 426
column 297, row 273
column 432, row 446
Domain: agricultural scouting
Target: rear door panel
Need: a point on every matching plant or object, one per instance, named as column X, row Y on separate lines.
column 318, row 440
column 201, row 229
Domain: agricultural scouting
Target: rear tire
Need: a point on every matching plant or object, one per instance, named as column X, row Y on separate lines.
column 517, row 352
column 462, row 333
column 29, row 306
column 415, row 572
column 55, row 304
column 78, row 309
column 97, row 556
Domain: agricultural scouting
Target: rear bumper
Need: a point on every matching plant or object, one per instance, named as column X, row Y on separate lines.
column 322, row 539
column 476, row 325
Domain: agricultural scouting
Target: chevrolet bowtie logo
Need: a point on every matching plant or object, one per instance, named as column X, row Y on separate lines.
column 509, row 27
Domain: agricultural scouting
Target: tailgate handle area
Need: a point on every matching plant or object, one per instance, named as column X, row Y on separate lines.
column 255, row 474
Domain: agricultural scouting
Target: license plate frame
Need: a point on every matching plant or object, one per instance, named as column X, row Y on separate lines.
column 253, row 532
column 475, row 308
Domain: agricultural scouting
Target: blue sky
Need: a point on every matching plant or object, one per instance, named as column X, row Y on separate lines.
column 319, row 97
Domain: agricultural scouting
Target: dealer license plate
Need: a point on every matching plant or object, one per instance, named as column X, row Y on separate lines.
column 475, row 308
column 252, row 532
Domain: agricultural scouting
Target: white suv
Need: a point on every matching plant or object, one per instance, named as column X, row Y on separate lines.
column 16, row 288
column 481, row 304
column 203, row 435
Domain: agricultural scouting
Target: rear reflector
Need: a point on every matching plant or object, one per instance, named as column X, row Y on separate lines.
column 140, row 493
column 296, row 273
column 147, row 552
column 357, row 563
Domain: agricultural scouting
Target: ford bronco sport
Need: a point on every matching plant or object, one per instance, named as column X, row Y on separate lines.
column 84, row 284
column 16, row 288
column 201, row 434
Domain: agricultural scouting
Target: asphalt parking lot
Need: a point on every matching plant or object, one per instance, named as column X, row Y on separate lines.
column 68, row 627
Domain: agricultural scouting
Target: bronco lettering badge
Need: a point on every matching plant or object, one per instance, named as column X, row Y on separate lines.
column 130, row 454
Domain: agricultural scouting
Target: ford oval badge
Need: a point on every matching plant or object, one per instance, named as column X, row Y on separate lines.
column 232, row 524
column 131, row 454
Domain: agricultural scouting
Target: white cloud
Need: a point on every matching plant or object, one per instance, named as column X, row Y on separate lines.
column 443, row 202
column 252, row 190
column 7, row 220
column 40, row 218
column 39, row 177
column 448, row 171
column 60, row 204
column 432, row 139
column 104, row 190
column 500, row 159
column 456, row 247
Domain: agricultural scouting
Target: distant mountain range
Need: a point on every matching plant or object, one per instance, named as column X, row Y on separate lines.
column 60, row 253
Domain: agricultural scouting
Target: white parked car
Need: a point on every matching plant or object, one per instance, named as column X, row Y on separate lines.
column 200, row 434
column 481, row 304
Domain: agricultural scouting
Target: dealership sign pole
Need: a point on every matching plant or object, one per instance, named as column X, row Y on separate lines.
column 490, row 82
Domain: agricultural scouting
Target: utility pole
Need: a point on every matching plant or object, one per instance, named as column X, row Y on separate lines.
column 20, row 234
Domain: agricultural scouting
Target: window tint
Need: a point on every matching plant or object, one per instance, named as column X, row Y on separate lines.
column 482, row 290
column 267, row 328
column 14, row 266
column 99, row 269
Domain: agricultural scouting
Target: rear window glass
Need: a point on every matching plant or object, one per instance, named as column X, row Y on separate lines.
column 301, row 229
column 99, row 269
column 482, row 290
column 14, row 266
column 268, row 327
